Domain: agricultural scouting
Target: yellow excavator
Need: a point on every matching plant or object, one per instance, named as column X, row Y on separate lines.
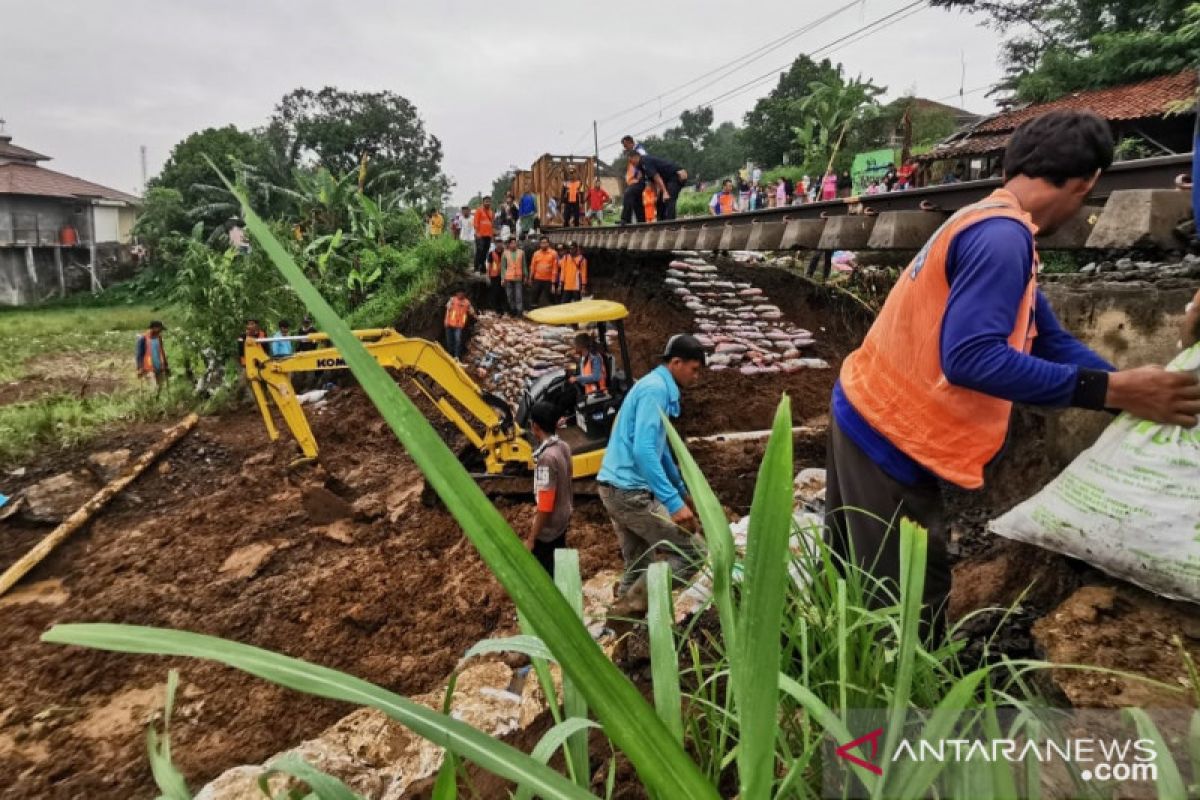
column 501, row 443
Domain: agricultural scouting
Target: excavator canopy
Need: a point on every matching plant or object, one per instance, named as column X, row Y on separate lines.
column 580, row 313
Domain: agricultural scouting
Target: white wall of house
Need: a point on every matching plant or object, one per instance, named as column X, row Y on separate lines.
column 108, row 223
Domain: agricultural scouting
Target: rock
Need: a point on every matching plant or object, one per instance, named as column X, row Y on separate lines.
column 1089, row 269
column 110, row 464
column 56, row 498
column 340, row 531
column 258, row 459
column 810, row 486
column 324, row 507
column 1124, row 264
column 164, row 468
column 245, row 562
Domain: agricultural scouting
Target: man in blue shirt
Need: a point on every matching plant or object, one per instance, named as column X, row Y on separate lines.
column 640, row 485
column 283, row 349
column 963, row 335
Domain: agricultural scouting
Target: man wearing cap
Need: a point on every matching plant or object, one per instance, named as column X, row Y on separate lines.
column 150, row 357
column 640, row 485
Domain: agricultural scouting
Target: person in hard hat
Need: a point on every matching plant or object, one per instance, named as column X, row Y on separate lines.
column 552, row 487
column 513, row 275
column 639, row 483
column 724, row 201
column 571, row 197
column 572, row 275
column 150, row 356
column 543, row 273
column 963, row 335
column 459, row 311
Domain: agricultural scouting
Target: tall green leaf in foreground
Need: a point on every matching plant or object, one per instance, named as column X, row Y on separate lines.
column 628, row 720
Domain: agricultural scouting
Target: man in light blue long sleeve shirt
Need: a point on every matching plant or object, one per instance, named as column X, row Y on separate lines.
column 283, row 349
column 640, row 485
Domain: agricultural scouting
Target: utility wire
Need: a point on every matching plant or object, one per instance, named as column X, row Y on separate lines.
column 862, row 32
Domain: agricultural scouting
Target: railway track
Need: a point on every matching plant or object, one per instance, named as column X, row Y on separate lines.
column 896, row 220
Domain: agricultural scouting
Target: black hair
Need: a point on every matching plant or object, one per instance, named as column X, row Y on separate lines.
column 627, row 138
column 545, row 416
column 1058, row 146
column 283, row 323
column 543, row 237
column 252, row 319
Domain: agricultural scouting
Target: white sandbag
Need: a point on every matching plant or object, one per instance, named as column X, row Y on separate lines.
column 672, row 282
column 1129, row 504
column 814, row 363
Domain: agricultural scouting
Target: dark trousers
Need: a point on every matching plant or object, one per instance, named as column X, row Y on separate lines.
column 571, row 297
column 571, row 215
column 454, row 342
column 482, row 244
column 539, row 290
column 864, row 507
column 544, row 551
column 495, row 293
column 666, row 208
column 632, row 206
column 816, row 257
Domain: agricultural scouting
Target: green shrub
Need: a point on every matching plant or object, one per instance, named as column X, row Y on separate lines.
column 692, row 203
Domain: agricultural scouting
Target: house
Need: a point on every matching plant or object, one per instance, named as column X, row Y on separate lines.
column 58, row 233
column 1140, row 115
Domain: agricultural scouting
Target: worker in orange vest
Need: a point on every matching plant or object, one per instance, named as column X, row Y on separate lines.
column 495, row 270
column 965, row 333
column 591, row 373
column 543, row 273
column 571, row 198
column 634, row 184
column 723, row 202
column 572, row 275
column 151, row 356
column 513, row 276
column 458, row 312
column 650, row 202
column 484, row 224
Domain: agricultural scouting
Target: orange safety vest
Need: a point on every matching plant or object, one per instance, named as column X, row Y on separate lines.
column 895, row 381
column 573, row 188
column 514, row 265
column 494, row 258
column 726, row 203
column 483, row 221
column 585, row 370
column 148, row 355
column 650, row 204
column 544, row 265
column 573, row 273
column 630, row 174
column 456, row 312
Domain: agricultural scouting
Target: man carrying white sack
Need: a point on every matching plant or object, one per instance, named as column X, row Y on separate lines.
column 963, row 335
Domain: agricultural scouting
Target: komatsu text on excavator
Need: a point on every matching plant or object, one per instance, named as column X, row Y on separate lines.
column 499, row 437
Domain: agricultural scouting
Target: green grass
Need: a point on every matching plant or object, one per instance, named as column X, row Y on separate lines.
column 78, row 359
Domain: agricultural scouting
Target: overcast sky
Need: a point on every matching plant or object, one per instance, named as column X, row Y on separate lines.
column 88, row 82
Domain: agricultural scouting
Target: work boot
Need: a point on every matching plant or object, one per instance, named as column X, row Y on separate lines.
column 633, row 603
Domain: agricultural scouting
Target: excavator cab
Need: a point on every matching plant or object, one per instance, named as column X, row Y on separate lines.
column 589, row 416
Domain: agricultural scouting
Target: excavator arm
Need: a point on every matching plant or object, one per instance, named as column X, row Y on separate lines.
column 486, row 421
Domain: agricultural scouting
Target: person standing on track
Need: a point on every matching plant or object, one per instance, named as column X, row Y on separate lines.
column 597, row 199
column 552, row 487
column 513, row 276
column 725, row 201
column 543, row 274
column 572, row 197
column 639, row 483
column 963, row 335
column 495, row 275
column 572, row 275
column 466, row 228
column 631, row 205
column 484, row 224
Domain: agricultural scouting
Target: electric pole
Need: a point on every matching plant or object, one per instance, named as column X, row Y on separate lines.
column 596, row 141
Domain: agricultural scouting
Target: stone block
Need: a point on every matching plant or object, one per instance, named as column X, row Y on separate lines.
column 1135, row 218
column 849, row 232
column 801, row 234
column 1074, row 234
column 904, row 230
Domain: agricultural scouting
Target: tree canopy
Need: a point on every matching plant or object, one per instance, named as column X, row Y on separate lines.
column 768, row 129
column 698, row 147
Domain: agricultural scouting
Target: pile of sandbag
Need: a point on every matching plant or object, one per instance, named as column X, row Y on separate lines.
column 506, row 354
column 737, row 322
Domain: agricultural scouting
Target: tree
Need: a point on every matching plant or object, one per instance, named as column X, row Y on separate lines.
column 1059, row 46
column 768, row 134
column 377, row 132
column 832, row 107
column 697, row 147
column 188, row 170
column 502, row 184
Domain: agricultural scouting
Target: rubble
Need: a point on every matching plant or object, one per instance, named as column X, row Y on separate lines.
column 58, row 497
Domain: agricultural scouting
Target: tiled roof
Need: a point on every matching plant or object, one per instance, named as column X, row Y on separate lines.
column 973, row 146
column 29, row 179
column 1150, row 98
column 10, row 150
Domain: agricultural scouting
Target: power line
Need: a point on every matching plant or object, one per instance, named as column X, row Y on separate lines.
column 873, row 27
column 747, row 58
